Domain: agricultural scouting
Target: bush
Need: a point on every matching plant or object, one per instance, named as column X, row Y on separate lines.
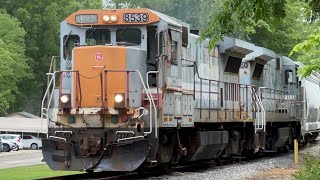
column 310, row 169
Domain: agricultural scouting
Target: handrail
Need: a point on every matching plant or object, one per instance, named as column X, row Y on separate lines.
column 257, row 106
column 146, row 90
column 52, row 68
column 261, row 114
column 51, row 83
column 235, row 88
column 214, row 80
column 154, row 105
column 149, row 97
column 263, row 110
column 56, row 137
column 45, row 94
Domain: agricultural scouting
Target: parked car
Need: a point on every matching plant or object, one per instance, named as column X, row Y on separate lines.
column 14, row 138
column 1, row 146
column 31, row 142
column 7, row 145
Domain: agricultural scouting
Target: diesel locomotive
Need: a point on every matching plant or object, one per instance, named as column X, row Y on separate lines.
column 136, row 88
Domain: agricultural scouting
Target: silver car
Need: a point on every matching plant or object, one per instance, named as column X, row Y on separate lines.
column 14, row 138
column 31, row 142
column 7, row 146
column 1, row 146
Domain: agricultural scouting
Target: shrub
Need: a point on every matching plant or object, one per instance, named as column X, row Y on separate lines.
column 310, row 169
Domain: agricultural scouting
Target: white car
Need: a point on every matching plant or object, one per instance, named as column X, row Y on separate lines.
column 14, row 138
column 7, row 145
column 31, row 142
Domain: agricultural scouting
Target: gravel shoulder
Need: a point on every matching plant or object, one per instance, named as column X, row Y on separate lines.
column 276, row 168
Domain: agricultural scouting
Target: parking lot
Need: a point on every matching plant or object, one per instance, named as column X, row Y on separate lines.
column 20, row 158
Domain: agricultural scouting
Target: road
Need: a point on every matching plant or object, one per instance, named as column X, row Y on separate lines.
column 20, row 158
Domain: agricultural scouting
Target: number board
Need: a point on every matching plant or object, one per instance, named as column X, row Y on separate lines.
column 135, row 17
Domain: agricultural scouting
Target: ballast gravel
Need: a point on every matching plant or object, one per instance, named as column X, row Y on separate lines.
column 248, row 170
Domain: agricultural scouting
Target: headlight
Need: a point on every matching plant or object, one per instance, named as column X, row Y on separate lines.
column 113, row 18
column 106, row 18
column 118, row 98
column 64, row 99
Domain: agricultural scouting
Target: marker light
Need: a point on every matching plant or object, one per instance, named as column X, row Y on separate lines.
column 106, row 18
column 113, row 18
column 118, row 98
column 64, row 99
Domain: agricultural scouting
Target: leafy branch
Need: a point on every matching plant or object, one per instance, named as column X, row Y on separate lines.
column 308, row 49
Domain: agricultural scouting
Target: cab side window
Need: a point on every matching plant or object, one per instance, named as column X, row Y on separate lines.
column 288, row 76
column 69, row 42
column 174, row 52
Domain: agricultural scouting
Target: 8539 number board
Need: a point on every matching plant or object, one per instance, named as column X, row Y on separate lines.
column 135, row 17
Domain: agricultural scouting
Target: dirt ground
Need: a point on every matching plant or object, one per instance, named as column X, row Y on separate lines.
column 276, row 174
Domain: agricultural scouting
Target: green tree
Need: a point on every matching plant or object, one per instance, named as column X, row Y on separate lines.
column 41, row 21
column 308, row 52
column 272, row 29
column 232, row 15
column 193, row 12
column 282, row 35
column 13, row 66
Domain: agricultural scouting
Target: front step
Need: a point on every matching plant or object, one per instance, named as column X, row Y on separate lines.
column 150, row 163
column 125, row 134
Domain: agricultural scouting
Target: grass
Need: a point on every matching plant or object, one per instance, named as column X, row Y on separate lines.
column 31, row 172
column 310, row 169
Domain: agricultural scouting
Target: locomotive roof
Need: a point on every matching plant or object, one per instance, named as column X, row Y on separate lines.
column 238, row 46
column 261, row 53
column 170, row 19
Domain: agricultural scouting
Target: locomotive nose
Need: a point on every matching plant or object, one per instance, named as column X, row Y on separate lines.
column 109, row 75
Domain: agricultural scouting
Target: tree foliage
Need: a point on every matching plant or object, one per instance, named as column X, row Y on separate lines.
column 282, row 34
column 288, row 21
column 276, row 24
column 232, row 15
column 41, row 22
column 194, row 12
column 13, row 66
column 309, row 53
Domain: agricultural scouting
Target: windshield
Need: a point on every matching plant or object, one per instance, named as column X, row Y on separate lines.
column 97, row 37
column 128, row 37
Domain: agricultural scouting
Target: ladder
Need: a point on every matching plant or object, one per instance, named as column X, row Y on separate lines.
column 260, row 120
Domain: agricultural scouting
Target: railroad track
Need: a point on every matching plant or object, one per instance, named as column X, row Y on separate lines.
column 191, row 167
column 194, row 167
